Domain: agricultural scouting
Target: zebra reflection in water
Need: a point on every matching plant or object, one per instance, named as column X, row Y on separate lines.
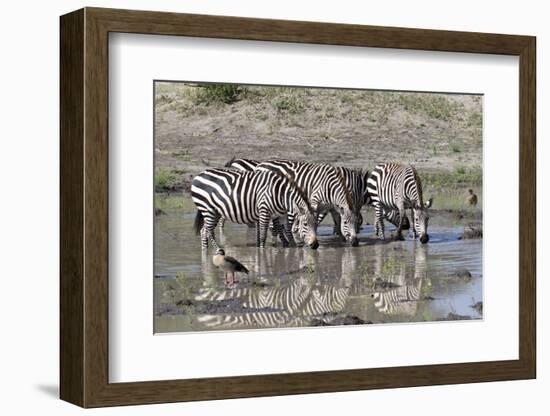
column 289, row 289
column 294, row 288
column 405, row 282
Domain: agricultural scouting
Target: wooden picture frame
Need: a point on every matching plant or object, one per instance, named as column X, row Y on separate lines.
column 84, row 207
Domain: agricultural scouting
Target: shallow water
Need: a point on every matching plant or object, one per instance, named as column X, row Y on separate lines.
column 377, row 282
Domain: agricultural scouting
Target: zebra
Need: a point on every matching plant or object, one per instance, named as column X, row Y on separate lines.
column 277, row 229
column 249, row 197
column 354, row 179
column 325, row 188
column 356, row 182
column 392, row 186
column 242, row 164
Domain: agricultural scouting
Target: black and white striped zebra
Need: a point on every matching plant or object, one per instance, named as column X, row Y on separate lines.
column 249, row 197
column 393, row 186
column 325, row 188
column 242, row 164
column 277, row 228
column 356, row 182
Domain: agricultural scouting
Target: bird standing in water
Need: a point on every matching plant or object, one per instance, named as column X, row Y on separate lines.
column 472, row 198
column 229, row 265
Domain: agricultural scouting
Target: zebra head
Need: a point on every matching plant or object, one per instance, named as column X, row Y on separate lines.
column 348, row 225
column 304, row 229
column 421, row 218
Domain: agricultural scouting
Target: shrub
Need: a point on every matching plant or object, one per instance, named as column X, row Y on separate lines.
column 217, row 94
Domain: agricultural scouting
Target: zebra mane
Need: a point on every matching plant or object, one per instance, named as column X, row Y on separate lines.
column 294, row 185
column 347, row 193
column 229, row 163
column 418, row 183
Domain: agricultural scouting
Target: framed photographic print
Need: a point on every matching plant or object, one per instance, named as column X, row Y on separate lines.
column 255, row 207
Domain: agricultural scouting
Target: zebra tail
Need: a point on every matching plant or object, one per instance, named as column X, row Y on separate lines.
column 199, row 222
column 229, row 163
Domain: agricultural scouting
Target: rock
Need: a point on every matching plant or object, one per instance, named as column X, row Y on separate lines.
column 478, row 306
column 384, row 284
column 455, row 317
column 341, row 320
column 472, row 230
column 349, row 320
column 463, row 274
column 318, row 322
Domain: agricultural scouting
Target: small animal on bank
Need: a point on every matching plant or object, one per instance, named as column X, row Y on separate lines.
column 229, row 265
column 472, row 198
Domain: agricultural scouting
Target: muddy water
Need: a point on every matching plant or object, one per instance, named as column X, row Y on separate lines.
column 377, row 282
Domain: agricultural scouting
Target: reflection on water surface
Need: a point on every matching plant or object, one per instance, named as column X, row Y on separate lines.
column 377, row 282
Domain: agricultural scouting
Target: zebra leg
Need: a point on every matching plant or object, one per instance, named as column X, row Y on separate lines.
column 274, row 231
column 207, row 232
column 414, row 224
column 320, row 217
column 336, row 230
column 263, row 225
column 221, row 222
column 288, row 230
column 379, row 221
column 258, row 234
column 399, row 232
column 278, row 231
column 204, row 239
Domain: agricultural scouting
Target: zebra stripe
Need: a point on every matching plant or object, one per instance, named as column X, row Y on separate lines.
column 356, row 182
column 324, row 186
column 294, row 303
column 242, row 164
column 403, row 299
column 248, row 197
column 396, row 187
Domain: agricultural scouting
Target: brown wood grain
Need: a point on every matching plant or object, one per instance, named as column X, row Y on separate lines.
column 71, row 213
column 84, row 207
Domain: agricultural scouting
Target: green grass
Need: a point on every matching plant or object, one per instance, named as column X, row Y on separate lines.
column 182, row 154
column 449, row 189
column 461, row 177
column 288, row 103
column 475, row 119
column 433, row 105
column 173, row 202
column 209, row 94
column 164, row 180
column 456, row 147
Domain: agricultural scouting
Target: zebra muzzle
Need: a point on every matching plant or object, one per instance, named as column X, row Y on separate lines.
column 314, row 245
column 354, row 242
column 424, row 238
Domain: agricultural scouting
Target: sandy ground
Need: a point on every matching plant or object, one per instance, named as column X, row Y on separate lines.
column 437, row 133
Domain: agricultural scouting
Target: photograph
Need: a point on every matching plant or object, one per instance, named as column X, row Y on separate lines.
column 291, row 206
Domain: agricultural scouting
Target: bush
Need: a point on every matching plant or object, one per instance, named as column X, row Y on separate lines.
column 164, row 180
column 217, row 93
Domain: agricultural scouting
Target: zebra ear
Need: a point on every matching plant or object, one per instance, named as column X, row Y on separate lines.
column 429, row 202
